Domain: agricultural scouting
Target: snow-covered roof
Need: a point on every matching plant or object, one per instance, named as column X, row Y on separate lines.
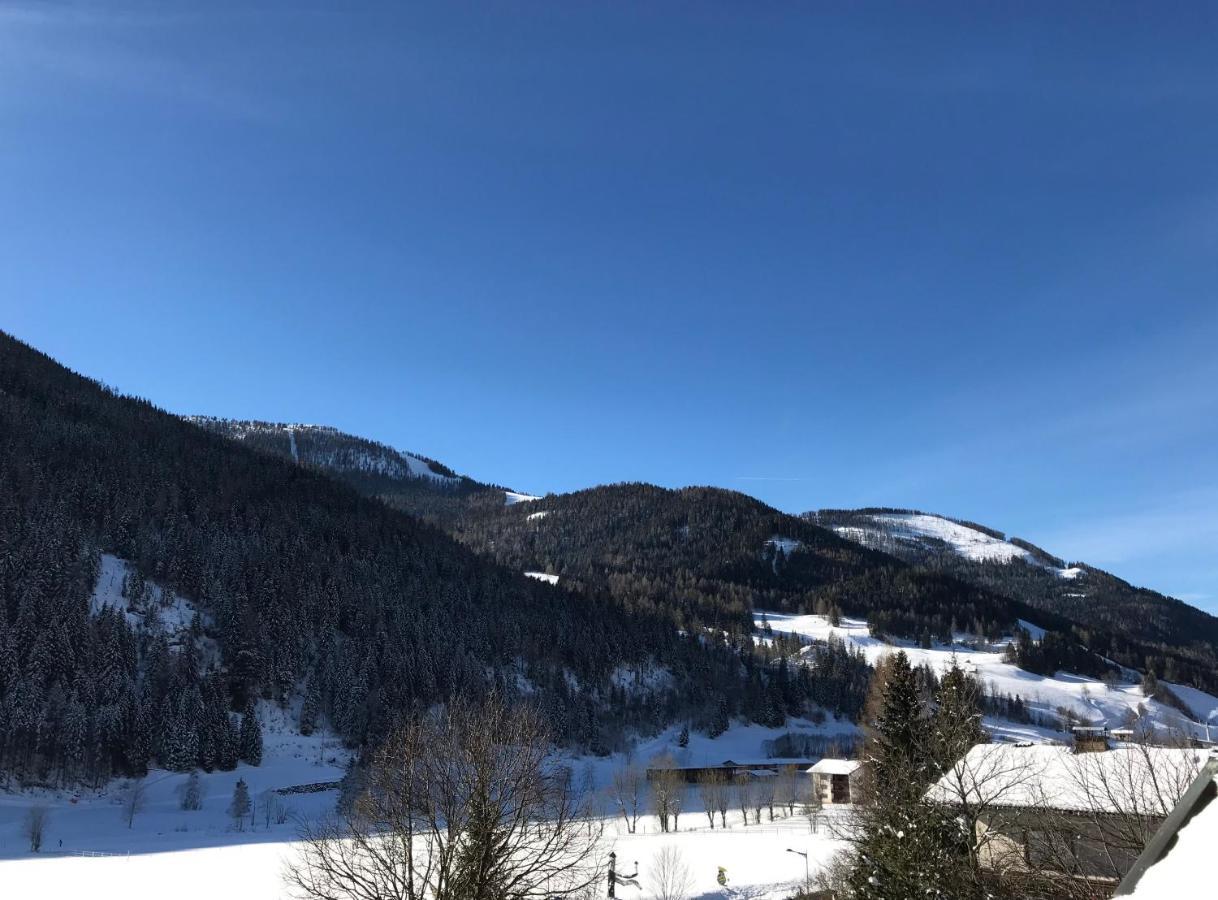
column 829, row 766
column 1178, row 869
column 1141, row 780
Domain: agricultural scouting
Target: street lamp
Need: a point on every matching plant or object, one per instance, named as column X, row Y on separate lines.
column 807, row 876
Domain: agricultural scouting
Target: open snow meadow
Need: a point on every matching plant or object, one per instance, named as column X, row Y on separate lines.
column 199, row 855
column 89, row 850
column 1093, row 701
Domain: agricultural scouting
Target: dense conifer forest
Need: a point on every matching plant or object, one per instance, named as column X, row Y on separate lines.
column 308, row 591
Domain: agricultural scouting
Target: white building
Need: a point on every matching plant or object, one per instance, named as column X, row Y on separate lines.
column 835, row 781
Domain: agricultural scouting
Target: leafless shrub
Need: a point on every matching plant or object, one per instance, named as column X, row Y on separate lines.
column 712, row 790
column 134, row 799
column 628, row 791
column 463, row 804
column 667, row 791
column 670, row 878
column 34, row 826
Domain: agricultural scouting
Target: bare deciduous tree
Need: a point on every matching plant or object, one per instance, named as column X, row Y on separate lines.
column 628, row 790
column 134, row 798
column 712, row 790
column 667, row 791
column 812, row 809
column 463, row 804
column 790, row 783
column 670, row 877
column 35, row 825
column 745, row 792
column 767, row 795
column 273, row 809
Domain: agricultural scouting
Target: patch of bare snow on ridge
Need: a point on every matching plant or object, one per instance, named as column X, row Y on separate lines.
column 966, row 541
column 511, row 498
column 543, row 576
column 785, row 544
column 157, row 609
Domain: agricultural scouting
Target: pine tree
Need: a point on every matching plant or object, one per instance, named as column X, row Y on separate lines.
column 239, row 808
column 249, row 742
column 227, row 744
column 956, row 726
column 310, row 707
column 906, row 847
column 721, row 719
column 1150, row 684
column 683, row 737
column 899, row 730
column 192, row 793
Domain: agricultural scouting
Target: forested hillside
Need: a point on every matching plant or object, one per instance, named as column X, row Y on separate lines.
column 706, row 556
column 307, row 591
column 405, row 481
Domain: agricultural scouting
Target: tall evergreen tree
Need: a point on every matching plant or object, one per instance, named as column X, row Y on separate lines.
column 905, row 847
column 956, row 725
column 240, row 805
column 249, row 741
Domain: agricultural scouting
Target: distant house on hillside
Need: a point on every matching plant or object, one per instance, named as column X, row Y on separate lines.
column 1082, row 812
column 835, row 781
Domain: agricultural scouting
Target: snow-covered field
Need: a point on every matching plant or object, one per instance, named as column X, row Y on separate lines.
column 88, row 850
column 1092, row 701
column 199, row 856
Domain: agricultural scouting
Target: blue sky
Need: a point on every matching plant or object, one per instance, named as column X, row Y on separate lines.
column 829, row 255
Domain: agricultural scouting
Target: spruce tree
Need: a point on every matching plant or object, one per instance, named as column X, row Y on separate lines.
column 956, row 725
column 905, row 846
column 310, row 707
column 228, row 747
column 192, row 793
column 239, row 808
column 900, row 731
column 249, row 741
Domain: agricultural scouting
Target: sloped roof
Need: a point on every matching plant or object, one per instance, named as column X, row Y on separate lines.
column 835, row 767
column 1139, row 780
column 1180, row 857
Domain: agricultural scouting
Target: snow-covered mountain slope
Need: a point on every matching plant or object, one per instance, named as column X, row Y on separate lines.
column 1049, row 700
column 328, row 448
column 1183, row 637
column 406, row 480
column 883, row 530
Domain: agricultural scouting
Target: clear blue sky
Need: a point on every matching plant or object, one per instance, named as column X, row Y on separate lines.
column 825, row 254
